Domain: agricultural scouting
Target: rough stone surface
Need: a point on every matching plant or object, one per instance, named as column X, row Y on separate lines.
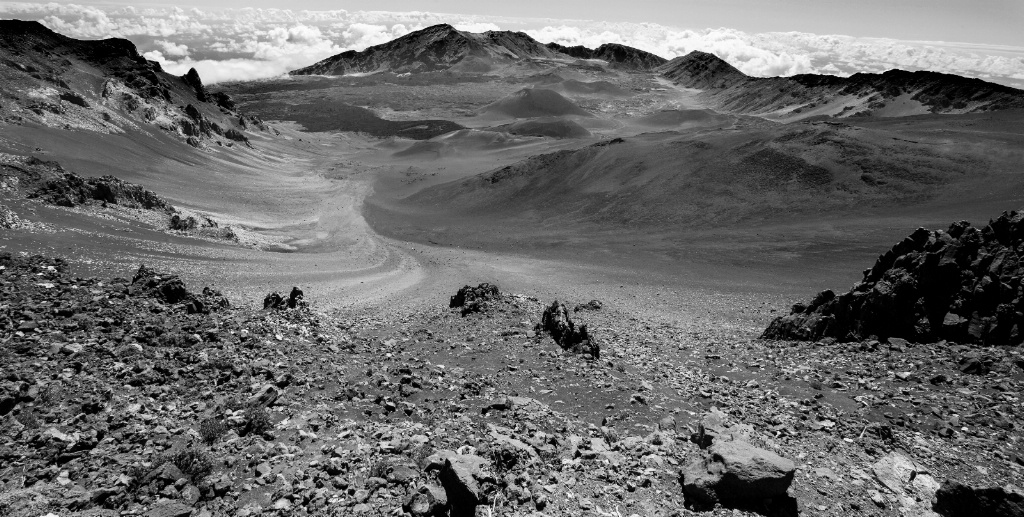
column 557, row 322
column 462, row 478
column 954, row 499
column 734, row 471
column 959, row 285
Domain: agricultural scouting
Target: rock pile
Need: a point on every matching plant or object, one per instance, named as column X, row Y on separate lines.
column 566, row 333
column 275, row 301
column 475, row 299
column 962, row 285
column 171, row 289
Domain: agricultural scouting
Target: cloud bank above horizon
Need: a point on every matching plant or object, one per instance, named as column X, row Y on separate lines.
column 245, row 44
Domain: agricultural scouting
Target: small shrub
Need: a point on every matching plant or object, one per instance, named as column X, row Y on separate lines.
column 256, row 421
column 211, row 429
column 378, row 469
column 194, row 463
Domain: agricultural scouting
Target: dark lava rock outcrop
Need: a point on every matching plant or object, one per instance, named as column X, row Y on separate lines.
column 474, row 299
column 566, row 333
column 276, row 301
column 171, row 289
column 959, row 500
column 961, row 285
column 48, row 181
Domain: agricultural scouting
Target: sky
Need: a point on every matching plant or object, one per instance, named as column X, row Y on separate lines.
column 250, row 39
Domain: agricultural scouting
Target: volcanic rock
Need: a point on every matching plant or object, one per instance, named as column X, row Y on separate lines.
column 958, row 285
column 429, row 500
column 474, row 299
column 294, row 300
column 193, row 80
column 168, row 288
column 462, row 477
column 955, row 499
column 563, row 330
column 734, row 472
column 50, row 182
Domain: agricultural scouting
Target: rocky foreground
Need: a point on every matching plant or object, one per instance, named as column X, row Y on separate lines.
column 140, row 397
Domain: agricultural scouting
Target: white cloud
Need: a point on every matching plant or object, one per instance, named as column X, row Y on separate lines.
column 172, row 49
column 256, row 42
column 476, row 26
column 221, row 70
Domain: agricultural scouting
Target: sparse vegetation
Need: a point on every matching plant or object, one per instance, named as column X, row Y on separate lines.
column 255, row 421
column 212, row 429
column 193, row 462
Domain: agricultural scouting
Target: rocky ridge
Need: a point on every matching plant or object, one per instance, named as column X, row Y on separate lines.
column 962, row 285
column 107, row 86
column 616, row 54
column 48, row 182
column 892, row 93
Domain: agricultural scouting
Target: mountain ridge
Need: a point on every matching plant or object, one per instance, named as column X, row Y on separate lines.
column 438, row 47
column 443, row 47
column 616, row 54
column 107, row 86
column 891, row 93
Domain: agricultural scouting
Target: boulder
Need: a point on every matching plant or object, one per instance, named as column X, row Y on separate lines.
column 954, row 499
column 168, row 288
column 735, row 472
column 266, row 397
column 463, row 477
column 429, row 500
column 557, row 322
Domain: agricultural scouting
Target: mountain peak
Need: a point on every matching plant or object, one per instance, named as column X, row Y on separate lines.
column 702, row 70
column 438, row 47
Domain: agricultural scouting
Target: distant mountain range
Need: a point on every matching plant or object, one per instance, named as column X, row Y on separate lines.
column 892, row 93
column 443, row 47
